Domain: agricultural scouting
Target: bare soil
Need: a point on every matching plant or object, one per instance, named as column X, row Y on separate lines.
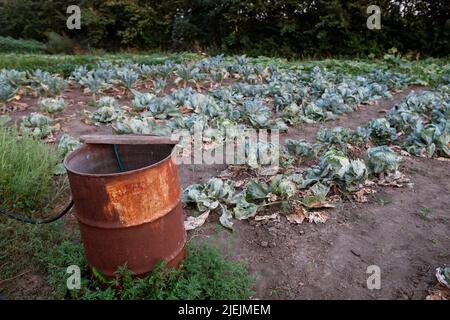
column 404, row 231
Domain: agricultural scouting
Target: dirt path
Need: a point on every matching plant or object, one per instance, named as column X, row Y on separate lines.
column 403, row 231
column 360, row 117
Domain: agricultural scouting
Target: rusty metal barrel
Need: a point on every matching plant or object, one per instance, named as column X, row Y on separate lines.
column 131, row 216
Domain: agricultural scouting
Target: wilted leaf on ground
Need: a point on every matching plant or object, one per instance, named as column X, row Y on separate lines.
column 298, row 216
column 244, row 209
column 320, row 190
column 315, row 202
column 361, row 195
column 443, row 276
column 295, row 219
column 395, row 179
column 257, row 190
column 226, row 218
column 270, row 217
column 441, row 291
column 192, row 223
column 318, row 217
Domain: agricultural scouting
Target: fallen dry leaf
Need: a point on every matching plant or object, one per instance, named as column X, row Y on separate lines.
column 274, row 216
column 400, row 151
column 239, row 183
column 319, row 204
column 50, row 138
column 57, row 127
column 127, row 108
column 318, row 217
column 272, row 197
column 298, row 216
column 396, row 179
column 19, row 106
column 295, row 219
column 334, row 199
column 439, row 292
column 192, row 223
column 360, row 195
column 269, row 171
column 185, row 110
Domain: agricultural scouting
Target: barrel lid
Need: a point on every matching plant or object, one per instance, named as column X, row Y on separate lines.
column 127, row 139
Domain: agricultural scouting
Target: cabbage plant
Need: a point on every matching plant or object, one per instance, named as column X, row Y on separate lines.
column 51, row 105
column 36, row 125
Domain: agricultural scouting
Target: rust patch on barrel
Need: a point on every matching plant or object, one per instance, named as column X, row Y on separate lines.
column 154, row 192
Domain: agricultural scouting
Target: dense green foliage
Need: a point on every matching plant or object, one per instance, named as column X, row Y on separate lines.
column 282, row 27
column 204, row 274
column 65, row 64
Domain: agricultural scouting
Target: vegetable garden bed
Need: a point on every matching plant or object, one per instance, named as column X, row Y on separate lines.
column 364, row 148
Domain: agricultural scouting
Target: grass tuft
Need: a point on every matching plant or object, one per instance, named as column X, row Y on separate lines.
column 26, row 171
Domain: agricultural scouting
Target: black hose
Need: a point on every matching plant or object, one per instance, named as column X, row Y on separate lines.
column 119, row 161
column 25, row 219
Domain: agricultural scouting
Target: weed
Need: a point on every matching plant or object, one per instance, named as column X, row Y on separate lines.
column 275, row 292
column 425, row 213
column 383, row 201
column 204, row 274
column 219, row 228
column 26, row 171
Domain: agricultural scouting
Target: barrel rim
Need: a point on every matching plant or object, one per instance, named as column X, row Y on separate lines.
column 117, row 174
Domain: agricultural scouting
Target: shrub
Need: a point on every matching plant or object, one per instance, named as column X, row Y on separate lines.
column 59, row 43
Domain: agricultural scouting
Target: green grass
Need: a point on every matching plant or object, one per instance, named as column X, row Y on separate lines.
column 204, row 274
column 65, row 64
column 24, row 246
column 26, row 172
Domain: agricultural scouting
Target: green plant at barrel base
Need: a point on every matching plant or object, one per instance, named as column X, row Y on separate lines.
column 204, row 274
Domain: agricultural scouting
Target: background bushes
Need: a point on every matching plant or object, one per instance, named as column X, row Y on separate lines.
column 276, row 27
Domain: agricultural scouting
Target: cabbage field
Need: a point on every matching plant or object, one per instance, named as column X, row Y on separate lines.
column 358, row 174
